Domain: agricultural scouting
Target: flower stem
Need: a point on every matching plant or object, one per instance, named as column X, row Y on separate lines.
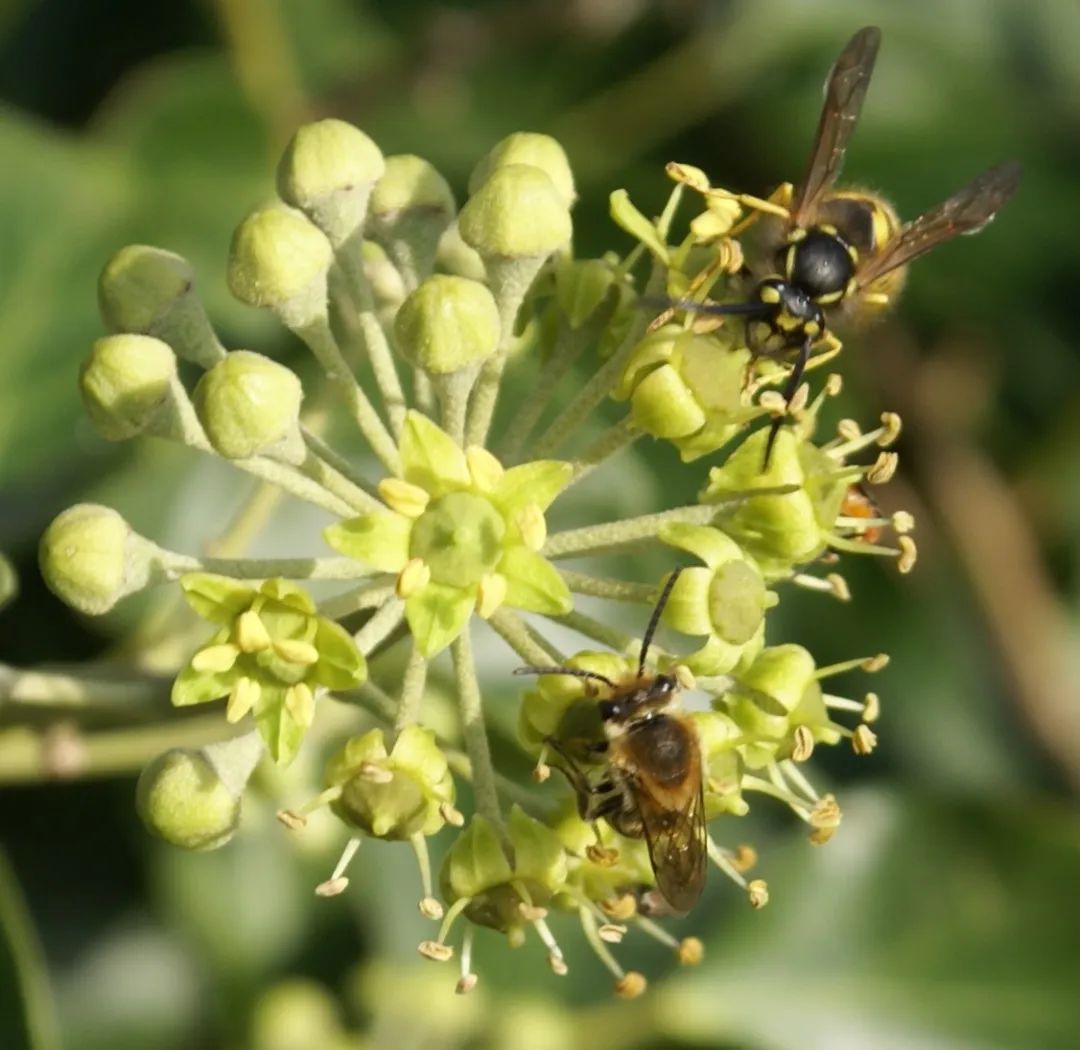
column 412, row 691
column 594, row 539
column 27, row 757
column 335, row 459
column 175, row 565
column 295, row 484
column 618, row 437
column 320, row 341
column 590, row 395
column 603, row 587
column 571, row 344
column 474, row 730
column 369, row 596
column 600, row 632
column 82, row 690
column 513, row 630
column 380, row 626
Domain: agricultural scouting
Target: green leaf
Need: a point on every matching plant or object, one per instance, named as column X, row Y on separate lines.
column 437, row 615
column 379, row 539
column 925, row 922
column 431, row 458
column 533, row 583
column 341, row 665
column 218, row 599
column 537, row 482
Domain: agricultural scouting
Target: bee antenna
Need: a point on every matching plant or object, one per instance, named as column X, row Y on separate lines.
column 654, row 620
column 574, row 672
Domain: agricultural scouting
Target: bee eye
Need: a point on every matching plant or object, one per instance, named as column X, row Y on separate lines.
column 609, row 709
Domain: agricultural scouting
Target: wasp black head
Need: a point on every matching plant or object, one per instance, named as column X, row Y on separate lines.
column 821, row 264
column 788, row 317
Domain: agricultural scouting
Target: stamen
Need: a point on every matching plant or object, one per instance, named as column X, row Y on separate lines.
column 588, row 927
column 825, row 819
column 842, row 703
column 337, row 881
column 802, row 746
column 908, row 555
column 833, row 584
column 720, row 859
column 467, row 981
column 658, row 933
column 612, row 932
column 620, row 908
column 555, row 955
column 295, row 819
column 690, row 951
column 871, row 708
column 758, row 893
column 882, row 469
column 782, row 793
column 798, row 779
column 744, row 857
column 452, row 914
column 452, row 815
column 436, row 951
column 631, row 985
column 430, row 908
column 863, row 740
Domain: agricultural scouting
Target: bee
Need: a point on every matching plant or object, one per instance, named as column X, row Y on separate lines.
column 652, row 784
column 857, row 503
column 828, row 253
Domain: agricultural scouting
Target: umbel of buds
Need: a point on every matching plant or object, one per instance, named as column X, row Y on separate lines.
column 455, row 523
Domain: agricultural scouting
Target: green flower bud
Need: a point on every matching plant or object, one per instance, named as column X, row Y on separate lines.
column 249, row 406
column 456, row 257
column 516, row 213
column 411, row 207
column 277, row 256
column 152, row 292
column 447, row 324
column 181, row 798
column 140, row 286
column 392, row 795
column 328, row 171
column 537, row 151
column 126, row 383
column 625, row 869
column 91, row 558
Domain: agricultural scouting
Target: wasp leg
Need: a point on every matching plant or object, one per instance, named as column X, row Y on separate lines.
column 792, row 384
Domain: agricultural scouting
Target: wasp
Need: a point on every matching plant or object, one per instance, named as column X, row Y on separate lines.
column 830, row 254
column 651, row 786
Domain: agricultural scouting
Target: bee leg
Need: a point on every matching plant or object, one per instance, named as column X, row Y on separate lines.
column 790, row 387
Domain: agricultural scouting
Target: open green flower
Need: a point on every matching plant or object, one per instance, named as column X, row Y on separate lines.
column 272, row 653
column 462, row 533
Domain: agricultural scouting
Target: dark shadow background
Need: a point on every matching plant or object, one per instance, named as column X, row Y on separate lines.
column 945, row 913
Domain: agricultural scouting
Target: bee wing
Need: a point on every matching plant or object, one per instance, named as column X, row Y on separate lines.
column 966, row 211
column 676, row 840
column 845, row 90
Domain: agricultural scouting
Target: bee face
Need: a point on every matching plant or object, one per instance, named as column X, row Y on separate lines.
column 644, row 698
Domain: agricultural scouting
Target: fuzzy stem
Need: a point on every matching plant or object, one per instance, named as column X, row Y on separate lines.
column 571, row 344
column 412, row 691
column 600, row 632
column 423, row 392
column 615, row 439
column 337, row 461
column 80, row 690
column 375, row 344
column 611, row 536
column 369, row 596
column 295, row 484
column 590, row 395
column 604, row 587
column 176, row 565
column 474, row 731
column 27, row 758
column 320, row 341
column 513, row 630
column 453, row 392
column 380, row 626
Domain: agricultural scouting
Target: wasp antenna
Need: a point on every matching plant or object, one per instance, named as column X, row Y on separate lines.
column 574, row 672
column 797, row 372
column 654, row 620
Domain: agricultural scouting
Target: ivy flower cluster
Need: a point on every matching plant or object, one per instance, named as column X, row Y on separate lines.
column 421, row 316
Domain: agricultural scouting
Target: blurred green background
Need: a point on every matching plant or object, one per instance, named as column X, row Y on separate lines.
column 945, row 913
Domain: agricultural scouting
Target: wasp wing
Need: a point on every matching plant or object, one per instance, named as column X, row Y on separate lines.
column 676, row 838
column 966, row 211
column 845, row 90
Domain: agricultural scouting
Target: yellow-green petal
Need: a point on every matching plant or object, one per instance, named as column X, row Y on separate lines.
column 379, row 539
column 537, row 482
column 218, row 599
column 431, row 458
column 533, row 583
column 437, row 615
